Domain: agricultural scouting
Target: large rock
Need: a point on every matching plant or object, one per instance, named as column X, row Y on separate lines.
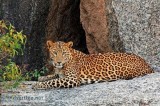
column 95, row 23
column 101, row 26
column 142, row 91
column 139, row 27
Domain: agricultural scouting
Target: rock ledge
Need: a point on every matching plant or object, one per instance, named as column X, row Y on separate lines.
column 142, row 91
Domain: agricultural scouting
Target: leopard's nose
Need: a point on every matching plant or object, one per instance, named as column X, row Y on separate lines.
column 58, row 62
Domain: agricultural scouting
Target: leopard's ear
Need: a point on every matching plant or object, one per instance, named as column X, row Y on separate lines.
column 70, row 44
column 49, row 43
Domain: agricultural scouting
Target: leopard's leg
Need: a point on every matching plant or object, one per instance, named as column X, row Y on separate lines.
column 67, row 82
column 60, row 72
column 46, row 78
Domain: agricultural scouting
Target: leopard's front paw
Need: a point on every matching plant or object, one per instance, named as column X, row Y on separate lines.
column 35, row 86
column 46, row 78
column 38, row 86
column 42, row 78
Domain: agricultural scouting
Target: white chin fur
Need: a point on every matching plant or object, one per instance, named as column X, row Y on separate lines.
column 58, row 66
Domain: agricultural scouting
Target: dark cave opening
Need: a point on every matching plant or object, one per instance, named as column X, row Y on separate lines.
column 63, row 24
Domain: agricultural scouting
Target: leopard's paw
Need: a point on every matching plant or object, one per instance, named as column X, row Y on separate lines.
column 42, row 78
column 38, row 86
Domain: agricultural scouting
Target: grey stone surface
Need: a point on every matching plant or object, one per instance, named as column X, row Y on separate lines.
column 114, row 37
column 142, row 91
column 139, row 27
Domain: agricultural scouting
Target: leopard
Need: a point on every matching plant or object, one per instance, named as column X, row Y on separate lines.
column 76, row 68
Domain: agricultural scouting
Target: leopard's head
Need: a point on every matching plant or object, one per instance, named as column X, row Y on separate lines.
column 59, row 53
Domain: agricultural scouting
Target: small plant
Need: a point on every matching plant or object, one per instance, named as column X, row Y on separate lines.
column 12, row 43
column 36, row 73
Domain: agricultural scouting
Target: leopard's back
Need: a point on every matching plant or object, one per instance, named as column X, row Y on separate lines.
column 112, row 66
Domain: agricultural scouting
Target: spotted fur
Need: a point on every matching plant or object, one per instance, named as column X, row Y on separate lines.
column 77, row 68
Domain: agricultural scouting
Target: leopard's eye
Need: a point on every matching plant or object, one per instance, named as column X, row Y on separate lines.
column 55, row 53
column 51, row 59
column 64, row 53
